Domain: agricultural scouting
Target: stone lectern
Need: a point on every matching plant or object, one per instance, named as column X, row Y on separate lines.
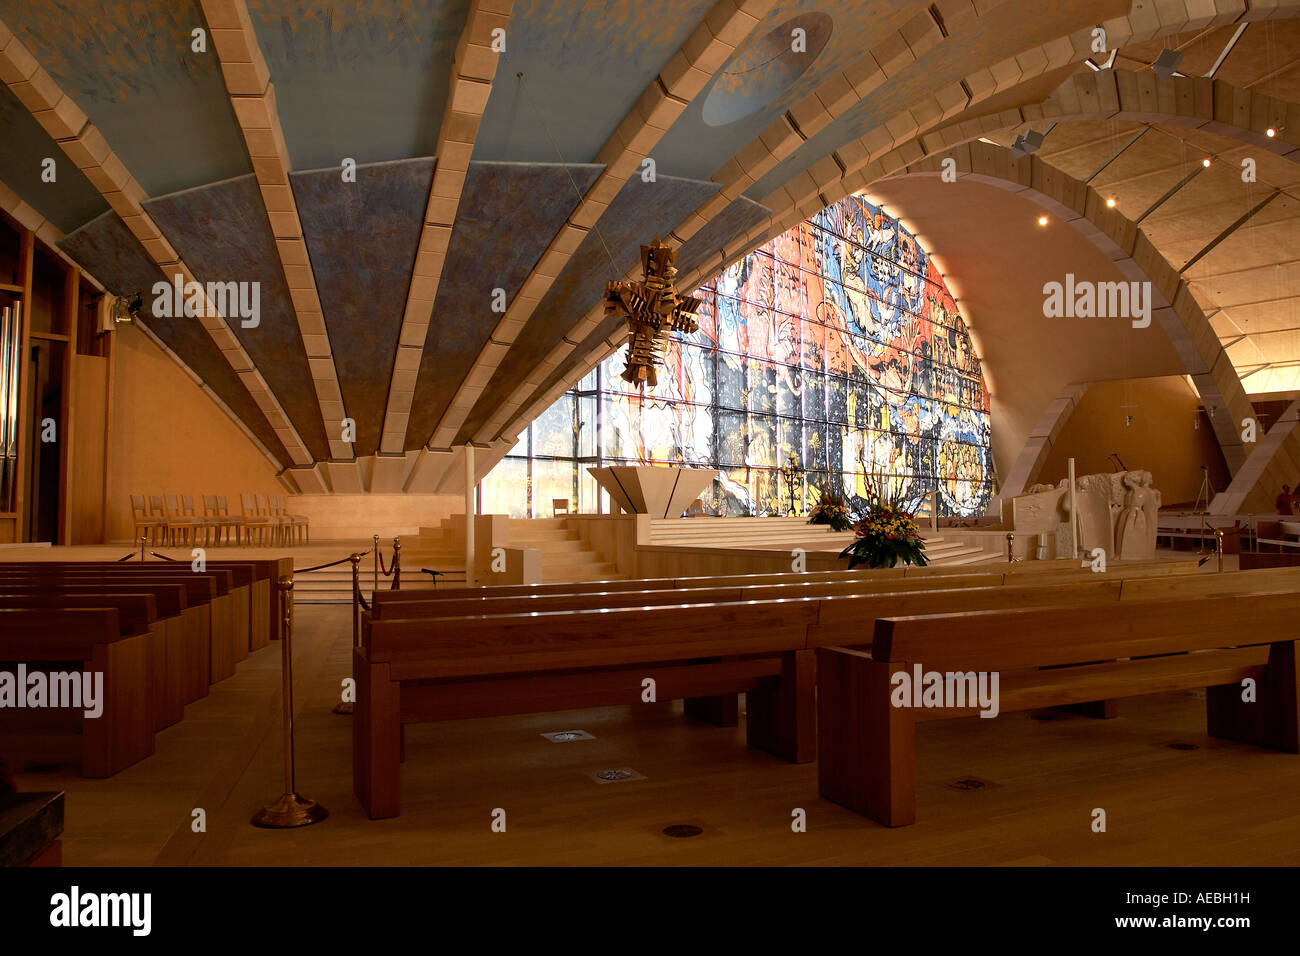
column 661, row 492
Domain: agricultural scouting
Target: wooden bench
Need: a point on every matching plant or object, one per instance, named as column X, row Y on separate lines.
column 387, row 601
column 413, row 669
column 493, row 666
column 138, row 613
column 222, row 634
column 90, row 640
column 1049, row 657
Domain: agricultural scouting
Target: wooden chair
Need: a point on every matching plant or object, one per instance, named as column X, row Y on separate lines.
column 254, row 519
column 559, row 506
column 208, row 525
column 280, row 523
column 216, row 511
column 294, row 525
column 179, row 524
column 151, row 525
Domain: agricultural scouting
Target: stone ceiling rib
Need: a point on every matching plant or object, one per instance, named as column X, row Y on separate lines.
column 727, row 24
column 472, row 75
column 86, row 146
column 252, row 96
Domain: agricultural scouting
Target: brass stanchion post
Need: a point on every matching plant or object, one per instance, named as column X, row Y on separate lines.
column 397, row 563
column 292, row 809
column 1218, row 537
column 142, row 540
column 1011, row 546
column 375, row 549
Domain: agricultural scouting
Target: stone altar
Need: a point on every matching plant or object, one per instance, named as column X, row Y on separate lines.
column 661, row 492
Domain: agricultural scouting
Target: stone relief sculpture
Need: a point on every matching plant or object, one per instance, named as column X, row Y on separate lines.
column 1135, row 529
column 1116, row 512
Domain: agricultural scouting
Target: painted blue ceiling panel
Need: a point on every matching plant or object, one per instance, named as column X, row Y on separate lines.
column 638, row 213
column 585, row 64
column 363, row 238
column 107, row 250
column 508, row 215
column 68, row 202
column 128, row 64
column 359, row 79
column 697, row 148
column 222, row 234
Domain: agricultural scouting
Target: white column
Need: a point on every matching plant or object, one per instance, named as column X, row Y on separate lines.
column 470, row 485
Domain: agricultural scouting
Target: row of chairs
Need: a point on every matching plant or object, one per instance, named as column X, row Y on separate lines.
column 172, row 520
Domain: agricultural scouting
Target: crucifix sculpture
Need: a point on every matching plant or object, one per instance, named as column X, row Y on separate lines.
column 653, row 309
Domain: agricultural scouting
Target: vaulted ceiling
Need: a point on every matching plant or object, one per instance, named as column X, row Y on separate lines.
column 432, row 195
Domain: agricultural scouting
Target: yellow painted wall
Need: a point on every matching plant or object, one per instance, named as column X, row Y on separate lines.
column 167, row 435
column 1163, row 438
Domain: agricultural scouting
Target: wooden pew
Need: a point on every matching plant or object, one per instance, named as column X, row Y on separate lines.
column 562, row 660
column 1065, row 568
column 138, row 613
column 471, row 658
column 258, row 575
column 89, row 639
column 265, row 614
column 394, row 604
column 213, row 628
column 1047, row 657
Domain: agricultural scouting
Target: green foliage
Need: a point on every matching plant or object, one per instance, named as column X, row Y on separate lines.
column 886, row 535
column 832, row 510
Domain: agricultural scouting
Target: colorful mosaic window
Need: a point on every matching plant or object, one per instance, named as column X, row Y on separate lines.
column 837, row 341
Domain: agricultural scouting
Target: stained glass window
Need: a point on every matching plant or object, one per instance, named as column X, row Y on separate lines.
column 838, row 341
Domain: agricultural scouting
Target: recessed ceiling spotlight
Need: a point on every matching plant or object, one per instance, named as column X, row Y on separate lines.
column 1206, row 162
column 1042, row 220
column 1110, row 202
column 1270, row 132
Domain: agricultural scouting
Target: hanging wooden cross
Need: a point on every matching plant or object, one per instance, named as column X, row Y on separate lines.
column 653, row 310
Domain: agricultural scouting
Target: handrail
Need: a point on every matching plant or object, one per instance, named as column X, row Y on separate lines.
column 322, row 567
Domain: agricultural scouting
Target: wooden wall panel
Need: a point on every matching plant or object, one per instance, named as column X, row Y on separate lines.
column 89, row 451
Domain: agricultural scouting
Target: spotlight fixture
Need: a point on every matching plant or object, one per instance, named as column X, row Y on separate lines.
column 1110, row 202
column 1042, row 220
column 1270, row 132
column 1027, row 143
column 1167, row 63
column 127, row 310
column 1206, row 162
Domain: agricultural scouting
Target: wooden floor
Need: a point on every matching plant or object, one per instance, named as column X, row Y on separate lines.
column 1222, row 803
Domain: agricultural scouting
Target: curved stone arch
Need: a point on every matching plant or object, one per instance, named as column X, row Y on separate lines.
column 1127, row 246
column 1028, row 465
column 1212, row 105
column 1274, row 462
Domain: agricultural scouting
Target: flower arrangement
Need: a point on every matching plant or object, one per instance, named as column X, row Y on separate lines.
column 831, row 510
column 887, row 533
